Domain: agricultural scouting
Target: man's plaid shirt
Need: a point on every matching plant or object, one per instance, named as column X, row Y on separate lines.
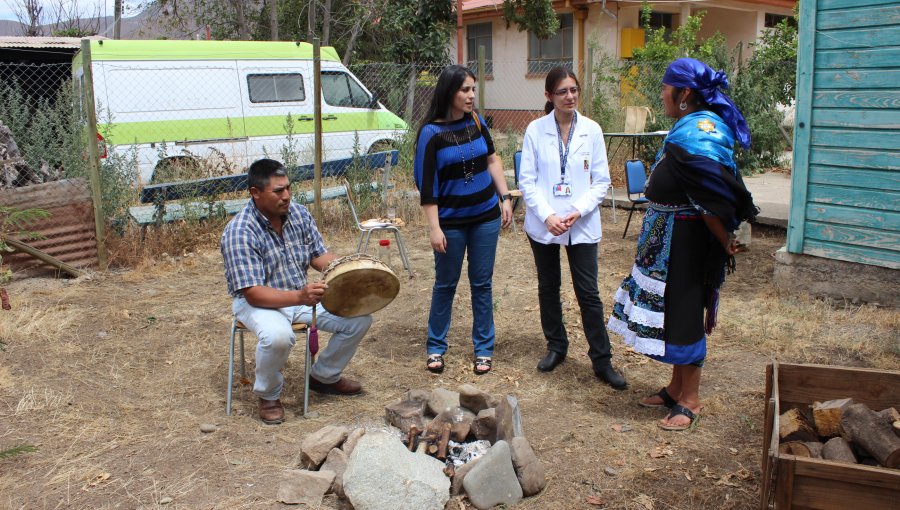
column 256, row 255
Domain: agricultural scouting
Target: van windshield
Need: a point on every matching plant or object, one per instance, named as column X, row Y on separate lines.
column 339, row 89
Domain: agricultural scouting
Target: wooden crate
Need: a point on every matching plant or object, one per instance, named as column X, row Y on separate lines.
column 797, row 482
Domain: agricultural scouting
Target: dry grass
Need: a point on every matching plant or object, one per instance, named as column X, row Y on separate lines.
column 110, row 377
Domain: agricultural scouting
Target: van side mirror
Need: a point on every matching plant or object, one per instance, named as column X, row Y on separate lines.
column 373, row 103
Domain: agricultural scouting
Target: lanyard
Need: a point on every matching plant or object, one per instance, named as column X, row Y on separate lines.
column 564, row 156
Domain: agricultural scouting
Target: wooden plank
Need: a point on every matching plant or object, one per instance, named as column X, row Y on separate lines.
column 856, row 197
column 858, row 38
column 857, row 99
column 784, row 480
column 853, row 118
column 884, row 160
column 857, row 474
column 146, row 214
column 854, row 177
column 871, row 16
column 857, row 78
column 230, row 183
column 838, row 214
column 856, row 138
column 849, row 253
column 857, row 236
column 810, row 491
column 808, row 383
column 842, row 4
column 857, row 58
column 805, row 72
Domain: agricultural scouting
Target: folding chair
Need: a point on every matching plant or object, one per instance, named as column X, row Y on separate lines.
column 238, row 329
column 635, row 181
column 516, row 194
column 366, row 229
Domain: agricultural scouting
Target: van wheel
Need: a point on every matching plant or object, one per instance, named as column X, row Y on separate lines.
column 382, row 146
column 177, row 168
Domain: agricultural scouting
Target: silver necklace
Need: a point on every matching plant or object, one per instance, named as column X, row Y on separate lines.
column 468, row 165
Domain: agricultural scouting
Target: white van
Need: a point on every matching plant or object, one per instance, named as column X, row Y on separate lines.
column 173, row 101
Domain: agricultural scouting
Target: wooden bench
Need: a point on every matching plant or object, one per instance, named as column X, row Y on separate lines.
column 161, row 196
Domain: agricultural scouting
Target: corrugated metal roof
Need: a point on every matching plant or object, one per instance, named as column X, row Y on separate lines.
column 469, row 5
column 68, row 234
column 73, row 43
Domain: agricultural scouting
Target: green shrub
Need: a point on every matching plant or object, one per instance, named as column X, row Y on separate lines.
column 757, row 85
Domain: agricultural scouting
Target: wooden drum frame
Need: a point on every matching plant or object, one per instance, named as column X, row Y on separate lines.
column 358, row 285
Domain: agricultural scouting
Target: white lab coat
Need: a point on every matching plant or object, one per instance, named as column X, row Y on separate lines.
column 587, row 170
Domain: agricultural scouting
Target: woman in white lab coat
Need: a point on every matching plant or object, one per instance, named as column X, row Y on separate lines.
column 563, row 177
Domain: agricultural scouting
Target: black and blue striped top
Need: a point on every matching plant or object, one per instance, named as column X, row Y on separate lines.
column 445, row 154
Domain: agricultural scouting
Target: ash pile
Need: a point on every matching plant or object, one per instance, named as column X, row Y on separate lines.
column 441, row 444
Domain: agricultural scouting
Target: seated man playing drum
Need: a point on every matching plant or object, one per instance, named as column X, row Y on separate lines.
column 268, row 248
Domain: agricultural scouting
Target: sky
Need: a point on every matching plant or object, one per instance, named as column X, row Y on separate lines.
column 87, row 7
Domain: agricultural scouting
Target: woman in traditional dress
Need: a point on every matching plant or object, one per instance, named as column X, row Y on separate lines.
column 697, row 199
column 465, row 199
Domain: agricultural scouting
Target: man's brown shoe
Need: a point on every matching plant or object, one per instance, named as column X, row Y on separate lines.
column 271, row 412
column 343, row 387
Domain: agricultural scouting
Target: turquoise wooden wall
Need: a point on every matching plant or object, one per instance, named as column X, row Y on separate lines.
column 845, row 198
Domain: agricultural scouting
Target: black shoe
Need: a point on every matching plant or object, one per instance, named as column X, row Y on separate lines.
column 550, row 361
column 612, row 378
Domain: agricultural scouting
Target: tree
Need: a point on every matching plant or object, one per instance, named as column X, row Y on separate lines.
column 536, row 16
column 71, row 19
column 30, row 16
column 272, row 6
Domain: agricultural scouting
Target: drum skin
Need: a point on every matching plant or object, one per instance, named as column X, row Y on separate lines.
column 358, row 285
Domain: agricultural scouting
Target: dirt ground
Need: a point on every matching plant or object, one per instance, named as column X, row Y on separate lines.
column 110, row 376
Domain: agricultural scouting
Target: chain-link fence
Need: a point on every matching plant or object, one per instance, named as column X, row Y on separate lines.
column 166, row 119
column 43, row 165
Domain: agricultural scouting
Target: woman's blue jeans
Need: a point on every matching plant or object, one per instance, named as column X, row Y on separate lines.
column 480, row 241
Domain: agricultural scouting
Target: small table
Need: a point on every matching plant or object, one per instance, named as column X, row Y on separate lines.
column 635, row 139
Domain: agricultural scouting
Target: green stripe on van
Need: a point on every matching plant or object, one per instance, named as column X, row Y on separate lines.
column 213, row 129
column 109, row 49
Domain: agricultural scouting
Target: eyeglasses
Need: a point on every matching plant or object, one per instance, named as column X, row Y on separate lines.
column 563, row 92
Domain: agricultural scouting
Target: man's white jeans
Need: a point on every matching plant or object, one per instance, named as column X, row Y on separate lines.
column 272, row 327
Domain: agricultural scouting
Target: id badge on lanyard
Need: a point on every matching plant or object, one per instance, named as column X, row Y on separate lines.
column 564, row 187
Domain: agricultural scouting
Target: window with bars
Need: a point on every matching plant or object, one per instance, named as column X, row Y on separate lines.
column 480, row 34
column 545, row 54
column 774, row 19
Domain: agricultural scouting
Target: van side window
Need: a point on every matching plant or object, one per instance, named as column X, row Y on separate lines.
column 275, row 88
column 339, row 89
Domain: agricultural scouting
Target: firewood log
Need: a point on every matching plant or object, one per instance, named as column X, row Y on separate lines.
column 896, row 427
column 797, row 448
column 815, row 449
column 838, row 450
column 890, row 414
column 443, row 441
column 827, row 416
column 873, row 433
column 793, row 426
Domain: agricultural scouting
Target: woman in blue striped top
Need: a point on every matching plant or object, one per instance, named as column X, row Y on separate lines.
column 460, row 179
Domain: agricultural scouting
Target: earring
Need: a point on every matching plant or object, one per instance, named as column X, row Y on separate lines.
column 682, row 106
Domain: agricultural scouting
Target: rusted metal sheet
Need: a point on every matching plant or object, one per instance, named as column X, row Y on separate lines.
column 68, row 234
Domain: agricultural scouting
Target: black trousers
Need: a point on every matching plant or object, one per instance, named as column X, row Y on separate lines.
column 583, row 265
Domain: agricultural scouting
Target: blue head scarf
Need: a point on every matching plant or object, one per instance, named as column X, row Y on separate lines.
column 693, row 74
